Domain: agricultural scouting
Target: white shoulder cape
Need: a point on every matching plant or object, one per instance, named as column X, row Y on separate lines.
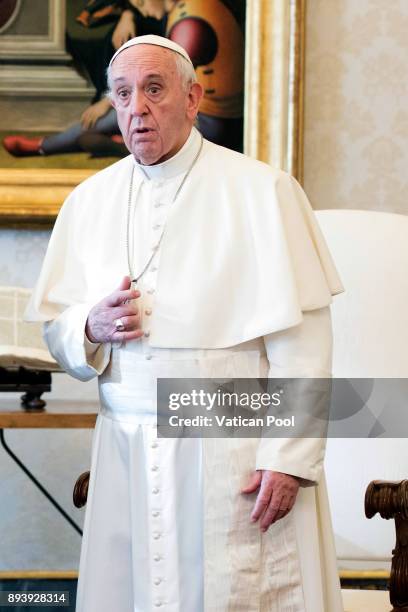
column 242, row 255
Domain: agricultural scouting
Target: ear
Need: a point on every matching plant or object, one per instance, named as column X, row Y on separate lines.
column 194, row 98
column 112, row 101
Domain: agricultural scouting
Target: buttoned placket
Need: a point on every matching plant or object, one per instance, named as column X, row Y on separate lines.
column 159, row 188
column 154, row 191
column 159, row 205
column 159, row 210
column 156, row 532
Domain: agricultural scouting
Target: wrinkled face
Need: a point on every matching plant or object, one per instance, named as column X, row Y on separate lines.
column 155, row 112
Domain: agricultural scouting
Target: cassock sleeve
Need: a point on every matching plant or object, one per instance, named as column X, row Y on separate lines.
column 62, row 299
column 67, row 342
column 303, row 351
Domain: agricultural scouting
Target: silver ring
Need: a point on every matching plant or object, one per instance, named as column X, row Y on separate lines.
column 119, row 325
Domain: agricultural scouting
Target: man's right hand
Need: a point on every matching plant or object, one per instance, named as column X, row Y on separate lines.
column 100, row 324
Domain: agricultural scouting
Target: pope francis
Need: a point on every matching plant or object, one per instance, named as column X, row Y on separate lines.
column 186, row 259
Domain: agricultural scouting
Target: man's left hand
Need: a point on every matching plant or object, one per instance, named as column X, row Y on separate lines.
column 276, row 497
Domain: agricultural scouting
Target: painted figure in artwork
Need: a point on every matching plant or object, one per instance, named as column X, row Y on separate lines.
column 212, row 32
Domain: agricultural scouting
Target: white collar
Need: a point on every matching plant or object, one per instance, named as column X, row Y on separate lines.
column 177, row 164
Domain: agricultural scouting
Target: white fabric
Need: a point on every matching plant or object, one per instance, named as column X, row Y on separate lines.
column 295, row 561
column 209, row 557
column 260, row 259
column 152, row 39
column 133, row 536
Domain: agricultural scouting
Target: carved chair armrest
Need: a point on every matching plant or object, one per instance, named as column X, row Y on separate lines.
column 390, row 500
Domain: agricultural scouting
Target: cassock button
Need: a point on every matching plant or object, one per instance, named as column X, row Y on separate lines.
column 156, row 535
column 148, row 311
column 154, row 445
column 157, row 580
column 155, row 490
column 147, row 334
column 157, row 604
column 155, row 513
column 156, row 558
column 156, row 226
column 153, row 268
column 148, row 357
column 154, row 468
column 158, row 204
column 150, row 291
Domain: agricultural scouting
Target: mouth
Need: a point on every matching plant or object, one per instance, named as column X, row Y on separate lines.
column 142, row 135
column 142, row 130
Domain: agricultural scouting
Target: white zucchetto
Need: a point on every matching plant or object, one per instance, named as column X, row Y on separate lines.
column 152, row 39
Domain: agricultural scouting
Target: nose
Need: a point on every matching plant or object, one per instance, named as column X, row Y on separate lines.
column 139, row 106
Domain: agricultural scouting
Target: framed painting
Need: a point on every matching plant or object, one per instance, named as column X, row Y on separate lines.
column 57, row 127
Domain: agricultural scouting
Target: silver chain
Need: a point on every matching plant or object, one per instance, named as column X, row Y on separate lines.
column 135, row 279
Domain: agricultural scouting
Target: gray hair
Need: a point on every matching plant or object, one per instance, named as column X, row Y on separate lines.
column 184, row 68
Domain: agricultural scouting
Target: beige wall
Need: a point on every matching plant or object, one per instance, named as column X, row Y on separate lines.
column 356, row 115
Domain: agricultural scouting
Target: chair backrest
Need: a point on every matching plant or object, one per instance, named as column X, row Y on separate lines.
column 370, row 322
column 371, row 318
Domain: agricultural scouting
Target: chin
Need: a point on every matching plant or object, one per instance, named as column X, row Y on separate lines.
column 146, row 157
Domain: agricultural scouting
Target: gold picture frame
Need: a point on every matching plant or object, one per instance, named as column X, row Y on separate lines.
column 273, row 129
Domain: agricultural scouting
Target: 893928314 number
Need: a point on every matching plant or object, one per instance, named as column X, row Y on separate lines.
column 34, row 598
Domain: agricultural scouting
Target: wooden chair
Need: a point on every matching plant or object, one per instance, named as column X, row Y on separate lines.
column 390, row 500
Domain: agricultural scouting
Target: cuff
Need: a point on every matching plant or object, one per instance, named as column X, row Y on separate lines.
column 300, row 457
column 90, row 347
column 66, row 339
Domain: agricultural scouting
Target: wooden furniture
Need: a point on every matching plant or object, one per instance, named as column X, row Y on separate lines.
column 390, row 500
column 80, row 494
column 57, row 415
column 32, row 383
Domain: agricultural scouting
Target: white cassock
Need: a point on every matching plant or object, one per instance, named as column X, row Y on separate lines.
column 240, row 286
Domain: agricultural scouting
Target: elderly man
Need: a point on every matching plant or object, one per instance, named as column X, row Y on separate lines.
column 186, row 259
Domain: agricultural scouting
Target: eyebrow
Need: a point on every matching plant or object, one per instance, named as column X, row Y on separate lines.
column 152, row 75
